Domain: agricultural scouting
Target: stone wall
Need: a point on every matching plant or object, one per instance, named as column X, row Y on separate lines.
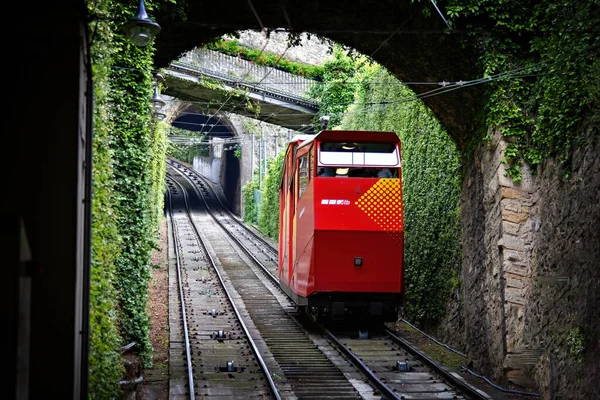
column 531, row 274
column 565, row 262
column 312, row 51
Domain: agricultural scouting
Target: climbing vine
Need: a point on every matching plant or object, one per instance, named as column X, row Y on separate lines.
column 105, row 367
column 250, row 205
column 233, row 48
column 128, row 188
column 187, row 152
column 268, row 221
column 431, row 189
column 551, row 101
column 335, row 94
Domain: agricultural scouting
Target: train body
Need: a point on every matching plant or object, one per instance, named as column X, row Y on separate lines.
column 341, row 239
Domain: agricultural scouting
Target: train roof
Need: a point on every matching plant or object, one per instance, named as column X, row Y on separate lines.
column 339, row 135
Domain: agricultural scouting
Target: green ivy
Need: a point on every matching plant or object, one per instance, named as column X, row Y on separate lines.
column 431, row 189
column 187, row 152
column 555, row 48
column 105, row 366
column 233, row 48
column 335, row 93
column 268, row 221
column 250, row 206
column 128, row 190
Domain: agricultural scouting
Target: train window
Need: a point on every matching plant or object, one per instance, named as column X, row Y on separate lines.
column 359, row 153
column 371, row 147
column 303, row 172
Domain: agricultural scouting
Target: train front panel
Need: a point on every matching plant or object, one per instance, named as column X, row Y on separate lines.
column 358, row 235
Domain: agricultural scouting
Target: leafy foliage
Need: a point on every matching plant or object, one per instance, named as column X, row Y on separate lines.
column 187, row 152
column 250, row 206
column 128, row 189
column 268, row 221
column 233, row 48
column 431, row 189
column 335, row 94
column 553, row 48
column 105, row 367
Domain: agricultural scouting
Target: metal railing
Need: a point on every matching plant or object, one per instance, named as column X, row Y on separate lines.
column 242, row 73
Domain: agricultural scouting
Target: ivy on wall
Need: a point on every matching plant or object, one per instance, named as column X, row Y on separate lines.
column 128, row 190
column 187, row 152
column 335, row 93
column 268, row 221
column 105, row 366
column 431, row 189
column 233, row 48
column 250, row 206
column 555, row 49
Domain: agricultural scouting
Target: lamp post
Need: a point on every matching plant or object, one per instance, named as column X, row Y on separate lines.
column 157, row 104
column 141, row 29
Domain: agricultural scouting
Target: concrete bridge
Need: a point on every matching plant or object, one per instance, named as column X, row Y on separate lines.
column 264, row 93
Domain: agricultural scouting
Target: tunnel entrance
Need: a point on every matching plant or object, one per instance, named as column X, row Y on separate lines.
column 230, row 180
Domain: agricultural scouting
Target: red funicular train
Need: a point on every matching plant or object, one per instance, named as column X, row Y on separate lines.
column 341, row 239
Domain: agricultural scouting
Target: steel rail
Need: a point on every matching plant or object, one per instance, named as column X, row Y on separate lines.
column 456, row 382
column 382, row 387
column 259, row 358
column 176, row 244
column 273, row 278
column 233, row 217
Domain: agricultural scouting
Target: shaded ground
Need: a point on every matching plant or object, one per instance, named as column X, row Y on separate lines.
column 451, row 361
column 156, row 379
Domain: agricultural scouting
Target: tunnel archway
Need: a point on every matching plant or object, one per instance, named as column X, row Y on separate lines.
column 414, row 47
column 218, row 163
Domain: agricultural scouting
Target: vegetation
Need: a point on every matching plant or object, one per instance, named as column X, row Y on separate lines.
column 335, row 93
column 233, row 48
column 431, row 177
column 553, row 50
column 250, row 206
column 187, row 152
column 268, row 221
column 128, row 189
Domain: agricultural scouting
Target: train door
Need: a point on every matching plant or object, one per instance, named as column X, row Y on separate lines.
column 286, row 216
column 292, row 217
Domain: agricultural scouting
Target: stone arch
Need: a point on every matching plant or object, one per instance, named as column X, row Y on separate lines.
column 397, row 35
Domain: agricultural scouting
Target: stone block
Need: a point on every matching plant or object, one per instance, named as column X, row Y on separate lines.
column 516, row 217
column 513, row 255
column 514, row 295
column 510, row 228
column 511, row 242
column 515, row 205
column 517, row 268
column 512, row 193
column 515, row 281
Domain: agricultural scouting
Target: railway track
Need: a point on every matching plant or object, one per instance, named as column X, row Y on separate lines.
column 221, row 357
column 316, row 361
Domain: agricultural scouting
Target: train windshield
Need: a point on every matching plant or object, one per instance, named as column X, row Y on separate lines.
column 359, row 153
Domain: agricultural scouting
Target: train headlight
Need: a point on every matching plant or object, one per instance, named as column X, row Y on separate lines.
column 358, row 261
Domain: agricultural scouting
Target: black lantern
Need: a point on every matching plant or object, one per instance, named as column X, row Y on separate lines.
column 141, row 29
column 157, row 101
